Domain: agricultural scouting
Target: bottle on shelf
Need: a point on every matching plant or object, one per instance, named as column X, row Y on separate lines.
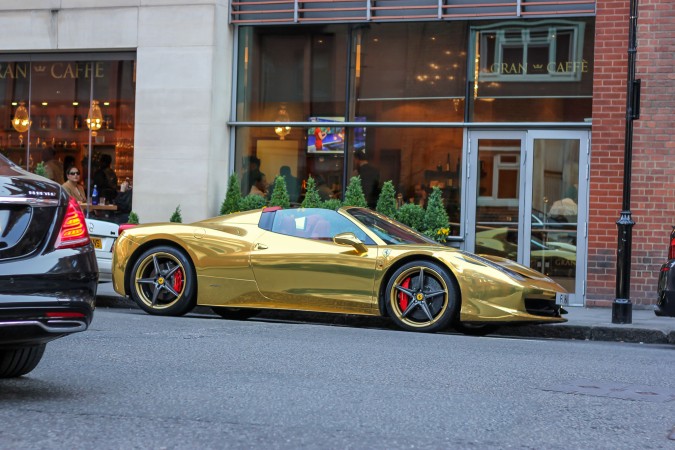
column 94, row 196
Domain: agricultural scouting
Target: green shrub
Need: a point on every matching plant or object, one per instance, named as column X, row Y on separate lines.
column 411, row 215
column 354, row 194
column 133, row 218
column 436, row 220
column 40, row 169
column 312, row 198
column 386, row 202
column 331, row 203
column 280, row 193
column 176, row 216
column 232, row 202
column 252, row 201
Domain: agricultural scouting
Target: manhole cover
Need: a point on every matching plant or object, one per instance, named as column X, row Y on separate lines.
column 616, row 390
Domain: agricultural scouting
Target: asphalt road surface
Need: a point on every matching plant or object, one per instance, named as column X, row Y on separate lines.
column 138, row 381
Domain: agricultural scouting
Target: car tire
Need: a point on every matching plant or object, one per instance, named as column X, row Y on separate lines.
column 235, row 313
column 20, row 361
column 475, row 329
column 427, row 306
column 163, row 282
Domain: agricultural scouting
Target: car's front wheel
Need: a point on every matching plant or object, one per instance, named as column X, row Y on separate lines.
column 422, row 296
column 19, row 361
column 163, row 282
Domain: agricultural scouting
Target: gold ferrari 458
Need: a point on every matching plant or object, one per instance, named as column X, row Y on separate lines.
column 351, row 261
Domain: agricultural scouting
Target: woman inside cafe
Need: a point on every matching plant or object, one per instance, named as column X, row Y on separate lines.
column 73, row 186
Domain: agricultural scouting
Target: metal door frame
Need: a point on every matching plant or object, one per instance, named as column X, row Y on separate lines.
column 527, row 138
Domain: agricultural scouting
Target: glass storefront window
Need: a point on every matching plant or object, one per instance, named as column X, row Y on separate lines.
column 299, row 69
column 80, row 117
column 411, row 72
column 413, row 159
column 539, row 71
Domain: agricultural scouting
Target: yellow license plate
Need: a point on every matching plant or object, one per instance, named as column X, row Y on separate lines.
column 98, row 243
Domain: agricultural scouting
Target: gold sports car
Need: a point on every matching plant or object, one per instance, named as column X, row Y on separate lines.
column 350, row 261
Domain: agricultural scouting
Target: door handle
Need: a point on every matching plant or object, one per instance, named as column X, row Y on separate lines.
column 260, row 247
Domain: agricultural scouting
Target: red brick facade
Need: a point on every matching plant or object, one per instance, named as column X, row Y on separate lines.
column 653, row 168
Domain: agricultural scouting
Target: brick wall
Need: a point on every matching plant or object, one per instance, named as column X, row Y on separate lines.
column 653, row 168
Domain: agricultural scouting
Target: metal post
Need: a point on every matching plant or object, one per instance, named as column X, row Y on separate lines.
column 622, row 311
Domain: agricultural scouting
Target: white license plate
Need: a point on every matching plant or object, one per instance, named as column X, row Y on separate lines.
column 562, row 299
column 98, row 243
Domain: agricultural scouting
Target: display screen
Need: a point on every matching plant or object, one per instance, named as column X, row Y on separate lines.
column 328, row 136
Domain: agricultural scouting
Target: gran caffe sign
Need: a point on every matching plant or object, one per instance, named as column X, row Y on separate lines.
column 52, row 69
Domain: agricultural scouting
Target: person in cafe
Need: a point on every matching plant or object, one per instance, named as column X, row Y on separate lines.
column 105, row 179
column 292, row 184
column 370, row 177
column 259, row 186
column 72, row 184
column 249, row 176
column 53, row 167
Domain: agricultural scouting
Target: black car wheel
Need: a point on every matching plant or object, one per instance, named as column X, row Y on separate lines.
column 422, row 296
column 235, row 313
column 164, row 282
column 20, row 361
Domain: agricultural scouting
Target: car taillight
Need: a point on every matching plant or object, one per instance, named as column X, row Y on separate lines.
column 73, row 231
column 671, row 249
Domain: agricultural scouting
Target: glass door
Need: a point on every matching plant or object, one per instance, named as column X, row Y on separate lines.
column 526, row 201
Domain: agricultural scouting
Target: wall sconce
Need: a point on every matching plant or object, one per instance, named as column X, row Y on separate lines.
column 94, row 118
column 282, row 116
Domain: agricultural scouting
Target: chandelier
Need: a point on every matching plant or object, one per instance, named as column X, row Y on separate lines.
column 282, row 116
column 94, row 117
column 21, row 122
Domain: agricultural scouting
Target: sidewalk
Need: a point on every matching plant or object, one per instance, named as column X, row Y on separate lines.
column 594, row 324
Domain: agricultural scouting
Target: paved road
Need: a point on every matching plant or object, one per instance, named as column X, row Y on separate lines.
column 137, row 381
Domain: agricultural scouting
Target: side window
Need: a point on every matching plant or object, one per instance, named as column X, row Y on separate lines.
column 318, row 224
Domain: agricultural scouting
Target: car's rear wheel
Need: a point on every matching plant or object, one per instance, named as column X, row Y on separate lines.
column 163, row 282
column 235, row 313
column 20, row 361
column 422, row 296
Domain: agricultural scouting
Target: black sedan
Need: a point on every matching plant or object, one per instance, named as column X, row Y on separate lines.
column 48, row 271
column 665, row 305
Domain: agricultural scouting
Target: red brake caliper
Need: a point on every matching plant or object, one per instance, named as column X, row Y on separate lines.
column 178, row 281
column 403, row 298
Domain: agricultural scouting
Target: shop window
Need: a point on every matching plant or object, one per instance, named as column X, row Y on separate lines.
column 411, row 72
column 531, row 71
column 80, row 115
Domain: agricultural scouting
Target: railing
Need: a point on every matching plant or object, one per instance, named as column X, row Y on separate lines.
column 261, row 12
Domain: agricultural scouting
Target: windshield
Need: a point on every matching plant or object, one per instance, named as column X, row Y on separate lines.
column 390, row 231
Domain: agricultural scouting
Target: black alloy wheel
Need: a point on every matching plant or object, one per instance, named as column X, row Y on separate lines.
column 163, row 282
column 422, row 296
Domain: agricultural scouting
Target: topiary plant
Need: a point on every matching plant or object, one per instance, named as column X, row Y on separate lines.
column 176, row 216
column 133, row 218
column 436, row 220
column 332, row 203
column 252, row 201
column 232, row 202
column 40, row 169
column 280, row 193
column 312, row 198
column 411, row 215
column 354, row 194
column 386, row 202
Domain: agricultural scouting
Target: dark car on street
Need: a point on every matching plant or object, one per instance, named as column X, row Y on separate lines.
column 48, row 271
column 665, row 305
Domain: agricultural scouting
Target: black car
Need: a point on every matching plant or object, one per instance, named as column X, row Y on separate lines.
column 48, row 271
column 665, row 305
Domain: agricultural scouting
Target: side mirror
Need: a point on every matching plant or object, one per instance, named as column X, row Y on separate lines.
column 350, row 239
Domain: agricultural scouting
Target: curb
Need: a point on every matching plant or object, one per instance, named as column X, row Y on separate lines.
column 550, row 331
